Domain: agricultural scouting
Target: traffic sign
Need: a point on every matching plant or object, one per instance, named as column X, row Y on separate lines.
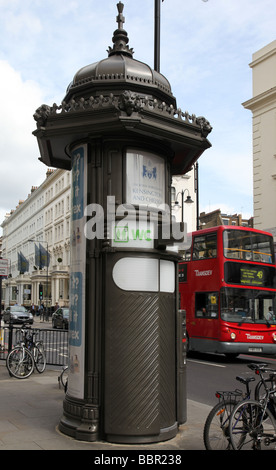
column 4, row 267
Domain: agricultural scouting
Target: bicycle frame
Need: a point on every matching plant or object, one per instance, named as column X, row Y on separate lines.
column 251, row 419
column 216, row 428
column 217, row 425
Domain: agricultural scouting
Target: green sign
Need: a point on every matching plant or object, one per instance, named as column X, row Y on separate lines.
column 132, row 234
column 252, row 276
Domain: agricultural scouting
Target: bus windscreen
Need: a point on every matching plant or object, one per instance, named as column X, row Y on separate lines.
column 248, row 305
column 249, row 246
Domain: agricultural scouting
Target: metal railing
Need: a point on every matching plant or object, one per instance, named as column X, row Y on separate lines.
column 55, row 344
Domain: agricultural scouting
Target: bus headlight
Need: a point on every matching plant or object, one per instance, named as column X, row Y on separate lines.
column 274, row 337
column 233, row 335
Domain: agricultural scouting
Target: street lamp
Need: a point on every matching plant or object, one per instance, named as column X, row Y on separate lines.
column 187, row 201
column 47, row 273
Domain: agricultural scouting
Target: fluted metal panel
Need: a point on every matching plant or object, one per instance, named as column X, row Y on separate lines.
column 167, row 359
column 140, row 364
column 132, row 366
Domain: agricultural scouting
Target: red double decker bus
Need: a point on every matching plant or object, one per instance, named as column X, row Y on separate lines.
column 227, row 286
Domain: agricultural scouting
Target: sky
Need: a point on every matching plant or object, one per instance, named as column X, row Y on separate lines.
column 206, row 48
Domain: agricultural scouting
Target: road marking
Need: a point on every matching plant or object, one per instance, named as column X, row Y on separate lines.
column 206, row 363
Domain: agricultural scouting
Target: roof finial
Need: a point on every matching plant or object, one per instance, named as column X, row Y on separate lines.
column 120, row 38
column 120, row 18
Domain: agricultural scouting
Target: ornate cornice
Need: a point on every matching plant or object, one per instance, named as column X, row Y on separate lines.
column 128, row 103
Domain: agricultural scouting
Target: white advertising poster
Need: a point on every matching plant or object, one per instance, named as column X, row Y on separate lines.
column 145, row 179
column 77, row 274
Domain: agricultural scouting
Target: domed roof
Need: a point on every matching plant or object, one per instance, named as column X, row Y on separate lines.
column 118, row 71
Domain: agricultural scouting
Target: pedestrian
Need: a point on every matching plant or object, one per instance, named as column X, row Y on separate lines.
column 270, row 316
column 41, row 311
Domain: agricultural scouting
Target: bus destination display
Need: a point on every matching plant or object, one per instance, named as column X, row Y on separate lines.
column 247, row 275
column 252, row 276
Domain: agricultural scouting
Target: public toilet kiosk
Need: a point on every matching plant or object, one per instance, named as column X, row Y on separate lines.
column 119, row 131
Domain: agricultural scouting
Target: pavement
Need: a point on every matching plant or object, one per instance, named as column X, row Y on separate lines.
column 30, row 410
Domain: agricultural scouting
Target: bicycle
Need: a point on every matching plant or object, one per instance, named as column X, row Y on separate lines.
column 63, row 378
column 26, row 356
column 216, row 429
column 253, row 422
column 216, row 433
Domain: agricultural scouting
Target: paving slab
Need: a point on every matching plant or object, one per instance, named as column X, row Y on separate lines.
column 30, row 410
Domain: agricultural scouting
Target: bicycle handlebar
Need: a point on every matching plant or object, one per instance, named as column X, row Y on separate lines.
column 259, row 368
column 254, row 366
column 26, row 328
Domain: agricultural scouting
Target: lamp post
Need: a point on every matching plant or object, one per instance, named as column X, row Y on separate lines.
column 157, row 35
column 187, row 201
column 47, row 273
column 196, row 180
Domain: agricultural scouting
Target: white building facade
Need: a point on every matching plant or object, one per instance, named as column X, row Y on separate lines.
column 263, row 107
column 42, row 220
column 184, row 199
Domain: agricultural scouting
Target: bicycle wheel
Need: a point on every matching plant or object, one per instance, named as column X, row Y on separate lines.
column 252, row 427
column 39, row 358
column 20, row 363
column 261, row 389
column 216, row 428
column 64, row 378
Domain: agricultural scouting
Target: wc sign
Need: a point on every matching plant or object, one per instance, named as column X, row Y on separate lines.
column 133, row 235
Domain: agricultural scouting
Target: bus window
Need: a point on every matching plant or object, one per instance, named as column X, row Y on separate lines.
column 247, row 305
column 205, row 246
column 235, row 305
column 248, row 246
column 206, row 304
column 262, row 248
